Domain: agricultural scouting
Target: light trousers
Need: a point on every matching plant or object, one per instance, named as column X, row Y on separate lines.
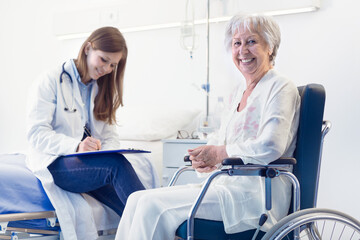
column 157, row 213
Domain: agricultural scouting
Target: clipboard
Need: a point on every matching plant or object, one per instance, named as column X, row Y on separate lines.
column 120, row 151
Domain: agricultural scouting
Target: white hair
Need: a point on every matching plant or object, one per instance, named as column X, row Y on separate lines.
column 263, row 25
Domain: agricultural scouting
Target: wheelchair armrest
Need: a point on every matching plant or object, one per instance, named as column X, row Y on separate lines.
column 239, row 161
column 232, row 161
column 291, row 161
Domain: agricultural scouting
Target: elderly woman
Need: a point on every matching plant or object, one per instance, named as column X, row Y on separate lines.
column 259, row 127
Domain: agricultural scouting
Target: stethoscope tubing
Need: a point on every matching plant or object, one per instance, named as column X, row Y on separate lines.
column 67, row 108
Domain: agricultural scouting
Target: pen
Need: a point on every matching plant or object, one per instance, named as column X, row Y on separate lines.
column 87, row 132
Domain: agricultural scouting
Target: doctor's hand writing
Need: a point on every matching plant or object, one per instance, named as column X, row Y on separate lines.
column 89, row 144
column 205, row 158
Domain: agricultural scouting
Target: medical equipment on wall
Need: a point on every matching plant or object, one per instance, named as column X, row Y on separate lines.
column 66, row 108
column 188, row 37
column 205, row 122
column 188, row 42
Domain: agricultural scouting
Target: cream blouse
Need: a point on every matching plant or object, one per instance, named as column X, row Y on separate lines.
column 262, row 132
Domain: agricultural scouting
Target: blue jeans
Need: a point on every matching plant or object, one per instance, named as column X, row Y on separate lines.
column 109, row 178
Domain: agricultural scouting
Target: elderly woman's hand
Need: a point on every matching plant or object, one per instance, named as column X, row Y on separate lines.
column 205, row 158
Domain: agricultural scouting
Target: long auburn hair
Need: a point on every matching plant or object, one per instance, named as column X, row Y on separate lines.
column 109, row 97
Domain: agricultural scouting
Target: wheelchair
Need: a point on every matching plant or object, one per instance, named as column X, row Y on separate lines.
column 304, row 221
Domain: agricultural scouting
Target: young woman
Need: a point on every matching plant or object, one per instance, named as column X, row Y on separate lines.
column 73, row 109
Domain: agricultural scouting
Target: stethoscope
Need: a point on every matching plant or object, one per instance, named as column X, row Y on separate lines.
column 66, row 108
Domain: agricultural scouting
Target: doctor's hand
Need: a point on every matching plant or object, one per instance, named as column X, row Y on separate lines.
column 89, row 144
column 205, row 158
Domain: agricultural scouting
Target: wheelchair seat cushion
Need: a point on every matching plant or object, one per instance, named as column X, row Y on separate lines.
column 217, row 232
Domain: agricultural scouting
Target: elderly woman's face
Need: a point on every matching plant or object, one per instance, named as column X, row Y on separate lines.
column 250, row 53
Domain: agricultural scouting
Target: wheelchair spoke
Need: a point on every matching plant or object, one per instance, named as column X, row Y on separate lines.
column 317, row 224
column 330, row 230
column 332, row 233
column 342, row 232
column 353, row 235
column 322, row 231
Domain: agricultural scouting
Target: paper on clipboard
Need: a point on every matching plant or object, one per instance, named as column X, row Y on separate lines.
column 121, row 151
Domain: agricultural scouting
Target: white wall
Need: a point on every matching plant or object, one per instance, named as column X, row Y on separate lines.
column 321, row 47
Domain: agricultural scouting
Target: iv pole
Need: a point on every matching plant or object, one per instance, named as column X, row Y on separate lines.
column 207, row 86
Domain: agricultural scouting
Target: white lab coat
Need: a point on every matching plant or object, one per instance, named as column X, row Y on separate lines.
column 51, row 132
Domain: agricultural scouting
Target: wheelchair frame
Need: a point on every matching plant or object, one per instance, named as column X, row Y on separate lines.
column 293, row 222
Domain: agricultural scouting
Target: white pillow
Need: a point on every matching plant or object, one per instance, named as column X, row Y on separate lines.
column 153, row 123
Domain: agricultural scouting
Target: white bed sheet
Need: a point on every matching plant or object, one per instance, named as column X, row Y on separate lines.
column 156, row 155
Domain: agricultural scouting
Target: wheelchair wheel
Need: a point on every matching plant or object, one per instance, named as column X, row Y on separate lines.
column 315, row 224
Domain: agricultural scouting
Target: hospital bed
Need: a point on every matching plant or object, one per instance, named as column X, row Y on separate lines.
column 25, row 210
column 24, row 206
column 27, row 213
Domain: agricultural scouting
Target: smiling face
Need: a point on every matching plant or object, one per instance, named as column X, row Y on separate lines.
column 100, row 63
column 250, row 53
